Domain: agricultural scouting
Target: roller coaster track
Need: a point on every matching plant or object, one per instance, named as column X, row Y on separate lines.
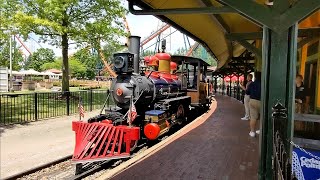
column 192, row 48
column 143, row 42
column 155, row 34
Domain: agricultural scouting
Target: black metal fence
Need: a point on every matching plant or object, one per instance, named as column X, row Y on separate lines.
column 20, row 108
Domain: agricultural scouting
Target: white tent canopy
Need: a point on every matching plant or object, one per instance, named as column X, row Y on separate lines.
column 29, row 72
column 16, row 73
column 49, row 73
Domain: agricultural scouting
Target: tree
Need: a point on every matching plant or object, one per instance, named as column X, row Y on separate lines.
column 201, row 52
column 57, row 64
column 77, row 69
column 72, row 21
column 38, row 58
column 147, row 53
column 89, row 59
column 17, row 58
column 6, row 19
column 181, row 51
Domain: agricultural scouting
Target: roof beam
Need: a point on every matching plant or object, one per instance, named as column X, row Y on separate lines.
column 258, row 35
column 252, row 10
column 178, row 27
column 281, row 5
column 217, row 17
column 245, row 36
column 248, row 46
column 242, row 58
column 299, row 11
column 224, row 26
column 307, row 40
column 204, row 10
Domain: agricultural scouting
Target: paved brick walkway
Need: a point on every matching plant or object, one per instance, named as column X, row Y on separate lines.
column 220, row 148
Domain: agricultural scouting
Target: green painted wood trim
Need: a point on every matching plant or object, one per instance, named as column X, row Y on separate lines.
column 281, row 5
column 317, row 85
column 252, row 10
column 300, row 10
column 279, row 66
column 247, row 45
column 311, row 32
column 263, row 138
column 291, row 84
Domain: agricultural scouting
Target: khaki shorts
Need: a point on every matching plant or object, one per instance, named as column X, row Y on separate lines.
column 254, row 109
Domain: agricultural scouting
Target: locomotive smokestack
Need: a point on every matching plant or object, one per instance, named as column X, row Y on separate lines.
column 134, row 48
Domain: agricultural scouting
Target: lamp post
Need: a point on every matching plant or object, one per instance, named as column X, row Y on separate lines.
column 10, row 58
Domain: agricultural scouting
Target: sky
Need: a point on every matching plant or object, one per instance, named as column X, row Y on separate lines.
column 141, row 26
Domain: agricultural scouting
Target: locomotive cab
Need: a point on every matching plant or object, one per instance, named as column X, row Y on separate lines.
column 195, row 70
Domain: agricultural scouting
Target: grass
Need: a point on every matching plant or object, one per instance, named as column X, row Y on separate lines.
column 19, row 108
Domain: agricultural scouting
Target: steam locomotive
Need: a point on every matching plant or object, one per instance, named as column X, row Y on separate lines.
column 161, row 100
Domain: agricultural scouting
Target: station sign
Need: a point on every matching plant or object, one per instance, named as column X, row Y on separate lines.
column 306, row 164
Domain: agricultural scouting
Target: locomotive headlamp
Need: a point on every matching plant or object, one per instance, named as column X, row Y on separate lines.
column 119, row 92
column 118, row 62
column 123, row 62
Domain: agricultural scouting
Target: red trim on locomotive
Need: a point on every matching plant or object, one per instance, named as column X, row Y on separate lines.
column 163, row 56
column 151, row 131
column 102, row 141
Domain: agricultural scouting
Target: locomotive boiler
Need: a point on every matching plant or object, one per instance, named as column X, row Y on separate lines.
column 144, row 89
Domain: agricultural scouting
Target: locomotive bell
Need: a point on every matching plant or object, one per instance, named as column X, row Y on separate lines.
column 123, row 62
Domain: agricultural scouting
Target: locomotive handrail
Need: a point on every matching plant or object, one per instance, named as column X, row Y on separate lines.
column 105, row 102
column 150, row 73
column 133, row 104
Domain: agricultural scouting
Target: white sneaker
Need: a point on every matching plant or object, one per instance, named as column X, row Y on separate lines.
column 245, row 118
column 269, row 3
column 257, row 131
column 252, row 134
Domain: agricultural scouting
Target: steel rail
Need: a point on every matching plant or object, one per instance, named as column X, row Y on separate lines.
column 35, row 169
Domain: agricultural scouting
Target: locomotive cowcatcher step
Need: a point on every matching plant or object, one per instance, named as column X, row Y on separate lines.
column 102, row 141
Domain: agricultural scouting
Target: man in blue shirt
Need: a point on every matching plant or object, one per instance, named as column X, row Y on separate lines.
column 254, row 91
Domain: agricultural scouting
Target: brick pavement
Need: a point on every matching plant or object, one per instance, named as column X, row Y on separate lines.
column 220, row 148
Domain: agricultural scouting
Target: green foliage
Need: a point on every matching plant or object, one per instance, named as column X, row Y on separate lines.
column 77, row 68
column 181, row 51
column 57, row 64
column 202, row 53
column 110, row 48
column 148, row 53
column 17, row 58
column 40, row 57
column 56, row 83
column 83, row 22
column 7, row 21
column 88, row 59
column 199, row 52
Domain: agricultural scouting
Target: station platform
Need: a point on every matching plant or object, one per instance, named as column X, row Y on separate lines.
column 220, row 148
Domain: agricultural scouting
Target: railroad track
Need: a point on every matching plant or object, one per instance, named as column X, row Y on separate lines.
column 38, row 168
column 63, row 168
